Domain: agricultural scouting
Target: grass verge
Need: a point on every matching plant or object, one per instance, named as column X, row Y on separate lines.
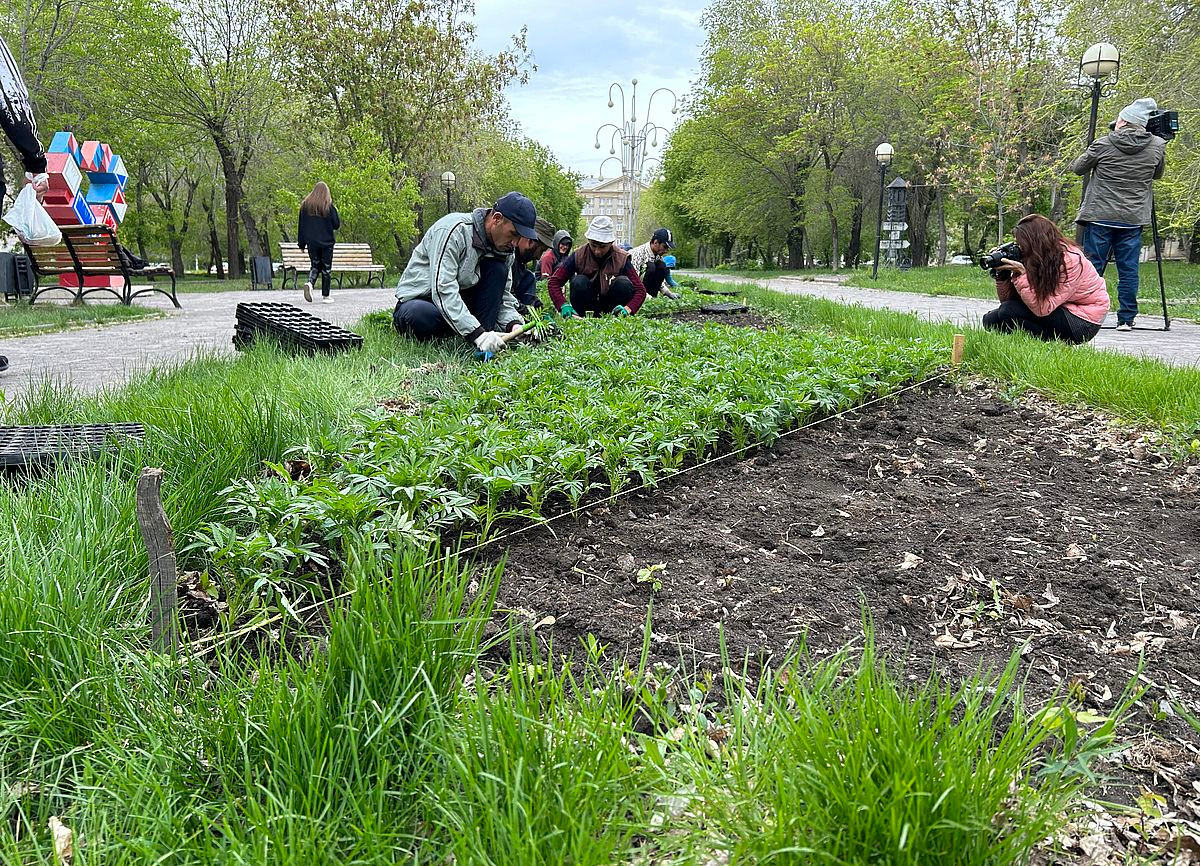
column 22, row 320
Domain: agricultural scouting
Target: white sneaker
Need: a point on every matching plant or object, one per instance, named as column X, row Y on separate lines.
column 326, row 300
column 1125, row 326
column 308, row 292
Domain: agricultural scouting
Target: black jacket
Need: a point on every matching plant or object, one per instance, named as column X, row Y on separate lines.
column 16, row 114
column 316, row 230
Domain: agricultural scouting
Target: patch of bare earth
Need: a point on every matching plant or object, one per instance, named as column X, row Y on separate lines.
column 965, row 525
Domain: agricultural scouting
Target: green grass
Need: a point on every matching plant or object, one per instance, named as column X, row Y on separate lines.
column 389, row 738
column 1182, row 281
column 21, row 320
column 1140, row 391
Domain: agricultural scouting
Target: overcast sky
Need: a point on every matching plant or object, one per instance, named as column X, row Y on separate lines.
column 582, row 46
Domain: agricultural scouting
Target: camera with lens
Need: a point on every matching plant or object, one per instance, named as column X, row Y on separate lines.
column 993, row 261
column 1164, row 124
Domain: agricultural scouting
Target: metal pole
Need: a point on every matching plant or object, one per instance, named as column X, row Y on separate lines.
column 879, row 224
column 1162, row 286
column 1092, row 127
column 447, row 199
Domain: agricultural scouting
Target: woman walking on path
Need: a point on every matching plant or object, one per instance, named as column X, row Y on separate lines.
column 318, row 221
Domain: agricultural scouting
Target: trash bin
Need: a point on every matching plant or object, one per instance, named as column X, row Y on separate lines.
column 260, row 272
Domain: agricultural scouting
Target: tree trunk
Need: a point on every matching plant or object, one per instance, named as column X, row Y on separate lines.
column 1194, row 245
column 943, row 239
column 214, row 241
column 233, row 202
column 176, row 242
column 834, row 251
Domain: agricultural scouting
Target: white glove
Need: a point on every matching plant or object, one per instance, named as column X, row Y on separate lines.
column 490, row 341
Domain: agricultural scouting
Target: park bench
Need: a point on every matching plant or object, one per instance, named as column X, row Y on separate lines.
column 91, row 251
column 347, row 258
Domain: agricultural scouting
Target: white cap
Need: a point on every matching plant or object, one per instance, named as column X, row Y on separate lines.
column 601, row 230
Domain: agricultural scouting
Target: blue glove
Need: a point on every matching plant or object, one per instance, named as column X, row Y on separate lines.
column 620, row 311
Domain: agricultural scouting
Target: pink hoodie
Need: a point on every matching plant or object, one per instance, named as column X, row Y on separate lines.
column 1081, row 290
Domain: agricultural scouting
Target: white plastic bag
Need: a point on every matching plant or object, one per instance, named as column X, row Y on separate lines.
column 30, row 220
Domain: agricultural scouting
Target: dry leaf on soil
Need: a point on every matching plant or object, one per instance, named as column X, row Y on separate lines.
column 911, row 561
column 64, row 841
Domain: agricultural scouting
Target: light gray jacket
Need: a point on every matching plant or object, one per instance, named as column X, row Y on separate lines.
column 1126, row 162
column 446, row 261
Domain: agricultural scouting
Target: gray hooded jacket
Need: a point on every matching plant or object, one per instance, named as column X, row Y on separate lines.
column 1126, row 162
column 446, row 261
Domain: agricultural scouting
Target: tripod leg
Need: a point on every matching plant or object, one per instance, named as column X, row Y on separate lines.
column 1162, row 286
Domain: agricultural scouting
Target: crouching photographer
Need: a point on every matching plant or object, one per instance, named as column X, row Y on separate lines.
column 1046, row 285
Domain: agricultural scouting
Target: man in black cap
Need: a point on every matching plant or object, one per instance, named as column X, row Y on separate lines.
column 459, row 278
column 648, row 262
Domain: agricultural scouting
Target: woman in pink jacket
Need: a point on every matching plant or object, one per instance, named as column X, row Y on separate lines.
column 1054, row 292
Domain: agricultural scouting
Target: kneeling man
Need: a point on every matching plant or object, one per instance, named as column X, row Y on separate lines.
column 459, row 278
column 600, row 277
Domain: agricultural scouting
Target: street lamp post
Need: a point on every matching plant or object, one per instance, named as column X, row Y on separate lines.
column 883, row 155
column 448, row 181
column 635, row 142
column 1098, row 63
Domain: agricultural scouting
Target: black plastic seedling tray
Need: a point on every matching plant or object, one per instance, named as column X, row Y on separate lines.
column 292, row 327
column 720, row 292
column 723, row 309
column 38, row 446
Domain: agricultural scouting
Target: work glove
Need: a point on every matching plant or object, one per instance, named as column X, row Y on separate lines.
column 669, row 295
column 490, row 341
column 567, row 311
column 620, row 310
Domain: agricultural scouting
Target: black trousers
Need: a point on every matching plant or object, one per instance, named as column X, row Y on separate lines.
column 586, row 297
column 1013, row 315
column 421, row 319
column 655, row 276
column 321, row 259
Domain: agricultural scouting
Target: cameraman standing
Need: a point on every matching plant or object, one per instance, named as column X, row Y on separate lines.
column 1117, row 202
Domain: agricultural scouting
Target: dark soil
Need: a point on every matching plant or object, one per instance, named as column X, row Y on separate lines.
column 965, row 526
column 749, row 319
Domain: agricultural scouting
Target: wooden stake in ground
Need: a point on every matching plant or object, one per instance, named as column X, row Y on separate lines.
column 160, row 546
column 956, row 356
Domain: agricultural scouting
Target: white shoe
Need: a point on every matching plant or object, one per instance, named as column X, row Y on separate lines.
column 1125, row 326
column 326, row 300
column 308, row 292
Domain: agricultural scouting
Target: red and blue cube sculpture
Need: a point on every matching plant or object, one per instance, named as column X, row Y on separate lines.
column 103, row 200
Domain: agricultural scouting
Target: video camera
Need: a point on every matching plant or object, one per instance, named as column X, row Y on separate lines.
column 993, row 261
column 1163, row 123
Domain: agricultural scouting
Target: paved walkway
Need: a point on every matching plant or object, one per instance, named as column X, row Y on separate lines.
column 1180, row 345
column 95, row 358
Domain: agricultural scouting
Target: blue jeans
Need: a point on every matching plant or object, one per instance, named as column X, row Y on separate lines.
column 1126, row 248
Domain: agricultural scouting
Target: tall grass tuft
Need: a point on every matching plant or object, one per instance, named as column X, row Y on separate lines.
column 842, row 762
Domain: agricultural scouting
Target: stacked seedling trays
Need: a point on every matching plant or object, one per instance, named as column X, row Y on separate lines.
column 723, row 309
column 25, row 447
column 292, row 328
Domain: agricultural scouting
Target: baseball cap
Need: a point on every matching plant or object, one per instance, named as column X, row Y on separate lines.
column 520, row 211
column 663, row 236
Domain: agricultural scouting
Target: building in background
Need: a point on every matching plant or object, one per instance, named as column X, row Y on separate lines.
column 616, row 197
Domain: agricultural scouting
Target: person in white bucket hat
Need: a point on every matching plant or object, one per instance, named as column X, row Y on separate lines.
column 601, row 279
